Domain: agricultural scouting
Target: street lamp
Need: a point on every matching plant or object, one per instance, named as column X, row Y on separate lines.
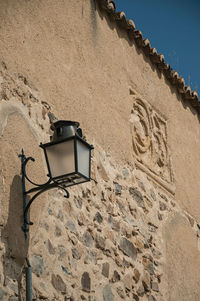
column 68, row 156
column 68, row 159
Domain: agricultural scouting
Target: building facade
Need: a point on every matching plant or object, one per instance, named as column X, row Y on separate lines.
column 132, row 232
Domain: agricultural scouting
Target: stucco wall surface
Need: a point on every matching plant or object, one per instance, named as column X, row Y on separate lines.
column 69, row 59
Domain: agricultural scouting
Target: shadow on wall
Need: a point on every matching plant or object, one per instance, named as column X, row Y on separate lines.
column 13, row 238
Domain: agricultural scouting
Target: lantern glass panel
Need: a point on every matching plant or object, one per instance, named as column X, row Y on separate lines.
column 61, row 158
column 83, row 158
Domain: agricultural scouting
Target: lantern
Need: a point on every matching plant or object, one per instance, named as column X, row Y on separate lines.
column 68, row 155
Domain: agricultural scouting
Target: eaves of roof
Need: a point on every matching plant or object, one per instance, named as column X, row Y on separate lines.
column 157, row 59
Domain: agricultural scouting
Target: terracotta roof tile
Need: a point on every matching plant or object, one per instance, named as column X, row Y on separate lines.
column 157, row 59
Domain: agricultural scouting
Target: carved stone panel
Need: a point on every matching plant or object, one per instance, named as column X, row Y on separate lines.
column 149, row 139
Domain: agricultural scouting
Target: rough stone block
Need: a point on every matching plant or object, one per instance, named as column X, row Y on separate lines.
column 58, row 283
column 105, row 269
column 76, row 253
column 136, row 276
column 116, row 277
column 98, row 217
column 100, row 242
column 37, row 264
column 71, row 226
column 118, row 188
column 107, row 293
column 137, row 196
column 86, row 282
column 154, row 286
column 128, row 248
column 87, row 239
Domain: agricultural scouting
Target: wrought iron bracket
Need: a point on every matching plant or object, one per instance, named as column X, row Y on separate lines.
column 38, row 189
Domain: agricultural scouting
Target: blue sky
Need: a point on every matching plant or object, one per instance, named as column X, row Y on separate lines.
column 173, row 28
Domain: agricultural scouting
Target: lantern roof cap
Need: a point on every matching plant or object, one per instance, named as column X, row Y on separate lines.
column 61, row 123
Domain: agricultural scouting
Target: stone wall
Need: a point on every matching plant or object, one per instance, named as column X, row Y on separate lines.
column 103, row 243
column 132, row 233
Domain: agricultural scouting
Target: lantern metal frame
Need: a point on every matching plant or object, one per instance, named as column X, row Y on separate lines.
column 38, row 189
column 61, row 182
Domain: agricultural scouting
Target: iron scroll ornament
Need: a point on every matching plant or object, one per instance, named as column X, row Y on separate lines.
column 38, row 189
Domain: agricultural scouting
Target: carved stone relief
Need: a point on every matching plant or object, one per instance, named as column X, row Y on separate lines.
column 149, row 139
